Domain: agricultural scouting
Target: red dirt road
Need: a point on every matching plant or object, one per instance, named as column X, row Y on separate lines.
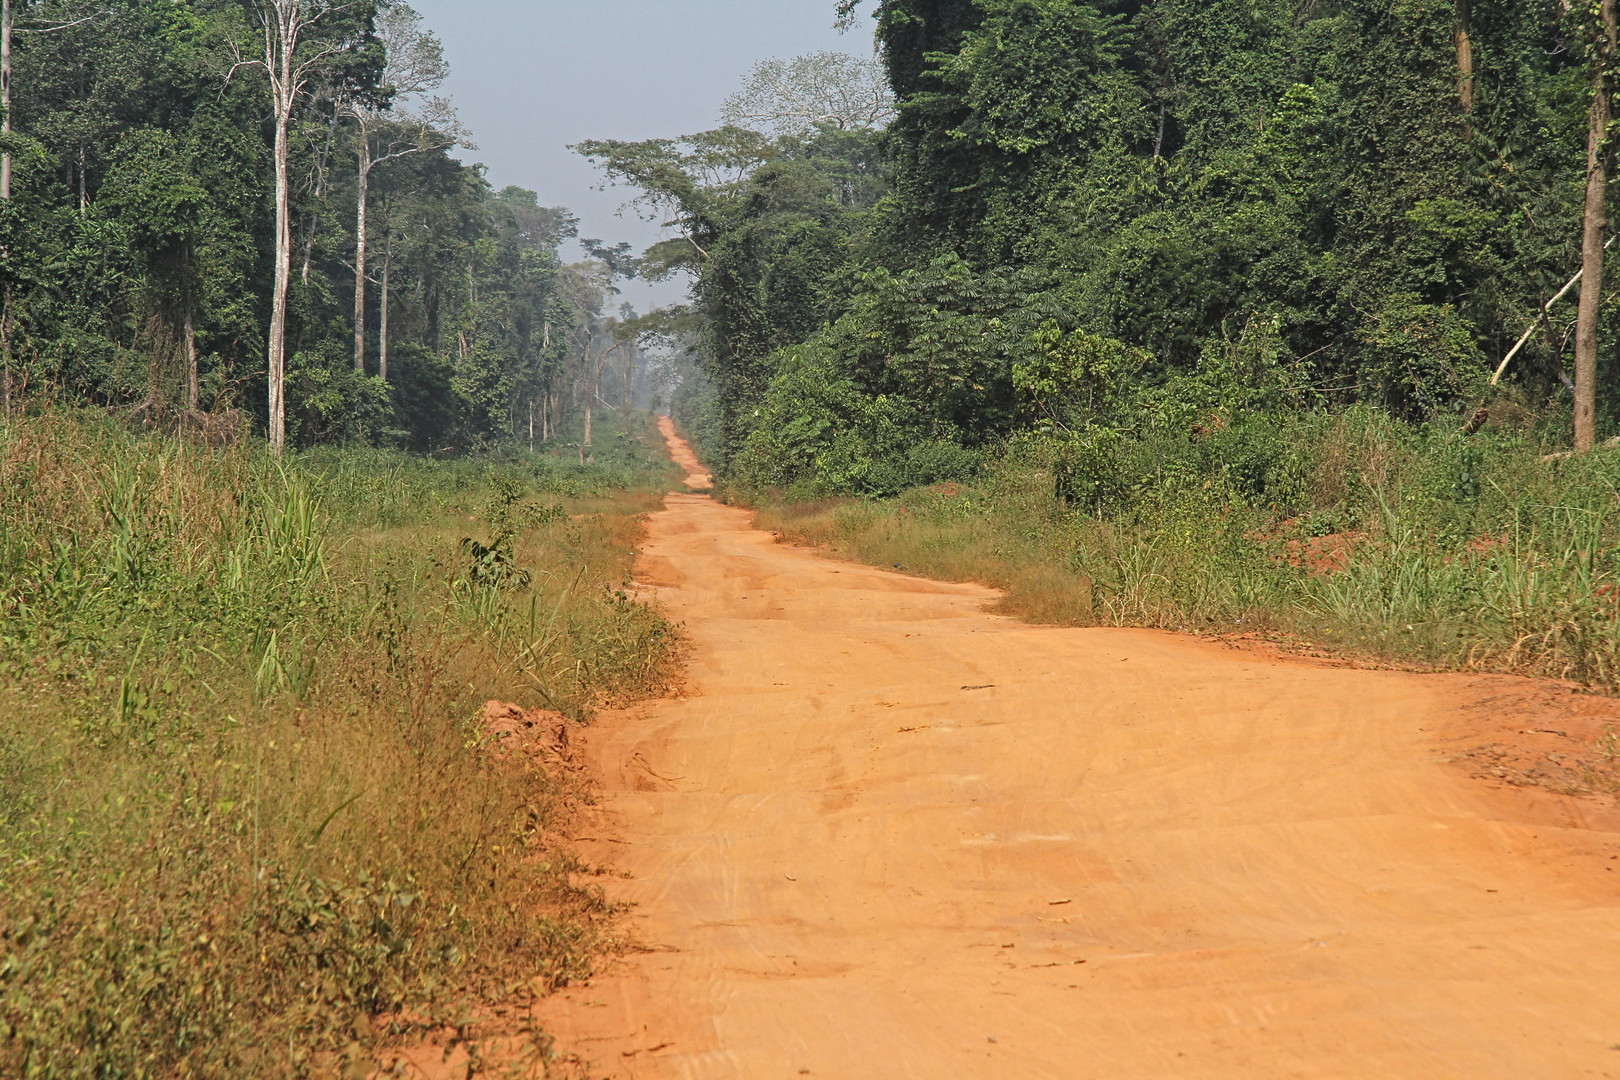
column 887, row 835
column 697, row 477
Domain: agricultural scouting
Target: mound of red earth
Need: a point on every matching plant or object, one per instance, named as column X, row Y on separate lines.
column 1327, row 554
column 528, row 736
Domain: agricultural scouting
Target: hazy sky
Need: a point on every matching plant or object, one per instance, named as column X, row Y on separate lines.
column 532, row 76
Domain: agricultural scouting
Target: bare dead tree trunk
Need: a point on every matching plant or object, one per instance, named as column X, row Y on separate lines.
column 363, row 184
column 382, row 313
column 277, row 360
column 1595, row 221
column 5, row 104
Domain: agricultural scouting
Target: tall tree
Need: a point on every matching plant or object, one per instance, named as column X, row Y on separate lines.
column 794, row 97
column 302, row 40
column 414, row 66
column 5, row 98
column 1603, row 38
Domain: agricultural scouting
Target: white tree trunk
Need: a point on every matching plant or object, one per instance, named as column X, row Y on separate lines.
column 5, row 95
column 284, row 23
column 277, row 361
column 363, row 185
column 382, row 313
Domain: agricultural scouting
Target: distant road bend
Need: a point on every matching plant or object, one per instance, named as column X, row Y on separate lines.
column 887, row 835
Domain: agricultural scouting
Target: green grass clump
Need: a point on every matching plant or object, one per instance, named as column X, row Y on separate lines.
column 250, row 822
column 1349, row 528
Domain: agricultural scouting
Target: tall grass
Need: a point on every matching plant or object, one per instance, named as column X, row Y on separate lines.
column 249, row 820
column 1350, row 529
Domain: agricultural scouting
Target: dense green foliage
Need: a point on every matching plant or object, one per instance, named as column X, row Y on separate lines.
column 247, row 802
column 143, row 208
column 1164, row 178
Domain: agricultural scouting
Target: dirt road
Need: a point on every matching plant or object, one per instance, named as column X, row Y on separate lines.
column 886, row 835
column 697, row 477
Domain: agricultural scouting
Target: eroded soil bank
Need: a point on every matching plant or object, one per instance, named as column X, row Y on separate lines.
column 886, row 834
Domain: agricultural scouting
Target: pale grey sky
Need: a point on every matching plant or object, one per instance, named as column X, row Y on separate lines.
column 532, row 76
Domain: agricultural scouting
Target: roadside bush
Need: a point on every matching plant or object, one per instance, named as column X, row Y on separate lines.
column 328, row 402
column 818, row 433
column 1350, row 528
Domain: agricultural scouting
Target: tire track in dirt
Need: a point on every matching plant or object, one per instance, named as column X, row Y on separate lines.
column 888, row 835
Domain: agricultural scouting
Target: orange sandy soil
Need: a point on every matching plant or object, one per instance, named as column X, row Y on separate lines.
column 888, row 835
column 680, row 451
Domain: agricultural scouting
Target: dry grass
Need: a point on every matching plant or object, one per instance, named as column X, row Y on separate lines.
column 246, row 805
column 1468, row 553
column 962, row 547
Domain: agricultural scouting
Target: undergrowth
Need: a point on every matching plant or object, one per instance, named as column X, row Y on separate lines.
column 1349, row 529
column 249, row 825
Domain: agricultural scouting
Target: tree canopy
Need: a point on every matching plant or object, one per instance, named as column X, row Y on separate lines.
column 139, row 237
column 1392, row 190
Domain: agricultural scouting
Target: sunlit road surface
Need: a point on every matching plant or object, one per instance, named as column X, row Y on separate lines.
column 887, row 835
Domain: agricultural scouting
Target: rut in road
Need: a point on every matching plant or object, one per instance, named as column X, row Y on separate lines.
column 889, row 835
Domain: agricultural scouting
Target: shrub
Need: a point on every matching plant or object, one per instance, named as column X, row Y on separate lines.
column 1350, row 528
